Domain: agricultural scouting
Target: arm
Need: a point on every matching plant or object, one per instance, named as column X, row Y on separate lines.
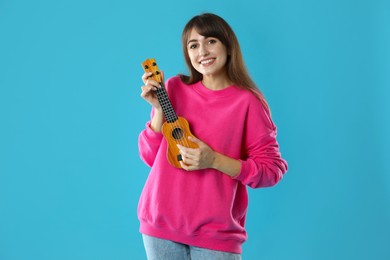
column 261, row 164
column 149, row 141
column 263, row 167
column 150, row 138
column 204, row 157
column 157, row 121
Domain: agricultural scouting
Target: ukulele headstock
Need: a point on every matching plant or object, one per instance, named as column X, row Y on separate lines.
column 150, row 65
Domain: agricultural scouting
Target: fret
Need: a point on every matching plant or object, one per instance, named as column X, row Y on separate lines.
column 166, row 105
column 150, row 65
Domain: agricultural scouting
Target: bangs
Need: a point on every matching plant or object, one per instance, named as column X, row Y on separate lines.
column 207, row 26
column 209, row 30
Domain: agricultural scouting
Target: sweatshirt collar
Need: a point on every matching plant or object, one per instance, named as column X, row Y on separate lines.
column 202, row 90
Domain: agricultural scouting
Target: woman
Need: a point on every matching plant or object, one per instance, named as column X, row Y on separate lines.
column 199, row 211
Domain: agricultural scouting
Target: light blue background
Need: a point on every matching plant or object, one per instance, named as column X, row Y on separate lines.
column 70, row 115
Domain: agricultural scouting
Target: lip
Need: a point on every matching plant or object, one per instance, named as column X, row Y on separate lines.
column 211, row 60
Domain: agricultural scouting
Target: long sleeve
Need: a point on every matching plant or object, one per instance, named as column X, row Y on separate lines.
column 149, row 143
column 262, row 165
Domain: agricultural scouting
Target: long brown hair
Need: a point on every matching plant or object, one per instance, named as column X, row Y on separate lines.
column 211, row 25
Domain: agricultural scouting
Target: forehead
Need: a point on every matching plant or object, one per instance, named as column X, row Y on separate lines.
column 195, row 36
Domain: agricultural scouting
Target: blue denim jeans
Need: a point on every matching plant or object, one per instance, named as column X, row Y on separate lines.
column 161, row 249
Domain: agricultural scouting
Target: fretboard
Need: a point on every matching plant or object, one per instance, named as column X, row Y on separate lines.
column 166, row 105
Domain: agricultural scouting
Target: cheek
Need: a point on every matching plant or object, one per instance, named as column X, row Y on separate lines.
column 225, row 61
column 193, row 60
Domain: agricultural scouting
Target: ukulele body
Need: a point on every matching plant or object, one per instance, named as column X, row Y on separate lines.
column 177, row 133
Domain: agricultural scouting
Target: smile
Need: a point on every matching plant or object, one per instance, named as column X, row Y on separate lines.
column 208, row 61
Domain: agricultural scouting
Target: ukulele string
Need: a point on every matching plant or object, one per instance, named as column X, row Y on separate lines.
column 161, row 93
column 177, row 129
column 168, row 109
column 173, row 124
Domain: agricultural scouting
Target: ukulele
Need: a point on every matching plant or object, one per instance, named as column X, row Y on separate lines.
column 175, row 129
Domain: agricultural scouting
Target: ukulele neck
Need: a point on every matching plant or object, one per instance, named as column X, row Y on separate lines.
column 166, row 105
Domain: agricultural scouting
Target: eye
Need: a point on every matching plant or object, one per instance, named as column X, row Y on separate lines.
column 212, row 41
column 192, row 46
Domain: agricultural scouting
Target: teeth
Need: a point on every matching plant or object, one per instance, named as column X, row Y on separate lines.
column 206, row 61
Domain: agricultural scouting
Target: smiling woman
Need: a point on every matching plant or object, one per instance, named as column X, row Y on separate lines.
column 199, row 210
column 208, row 56
column 213, row 34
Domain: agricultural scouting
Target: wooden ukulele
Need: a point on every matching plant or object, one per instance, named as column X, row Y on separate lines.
column 175, row 129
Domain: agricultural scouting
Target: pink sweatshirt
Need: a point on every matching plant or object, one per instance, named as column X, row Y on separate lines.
column 207, row 208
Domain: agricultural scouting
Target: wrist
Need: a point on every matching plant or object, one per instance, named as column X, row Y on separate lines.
column 226, row 165
column 158, row 110
column 157, row 120
column 216, row 163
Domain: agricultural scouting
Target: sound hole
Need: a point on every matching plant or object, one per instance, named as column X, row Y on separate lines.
column 177, row 133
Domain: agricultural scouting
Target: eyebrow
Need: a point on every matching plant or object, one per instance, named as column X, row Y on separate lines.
column 192, row 41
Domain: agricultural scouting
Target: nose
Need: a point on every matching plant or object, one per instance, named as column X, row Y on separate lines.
column 203, row 51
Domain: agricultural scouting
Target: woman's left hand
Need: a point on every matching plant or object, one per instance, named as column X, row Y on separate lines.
column 196, row 158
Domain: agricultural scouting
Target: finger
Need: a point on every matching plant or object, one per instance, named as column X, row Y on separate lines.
column 146, row 90
column 152, row 82
column 148, row 80
column 184, row 166
column 181, row 148
column 146, row 75
column 188, row 161
column 186, row 149
column 191, row 156
column 187, row 152
column 194, row 139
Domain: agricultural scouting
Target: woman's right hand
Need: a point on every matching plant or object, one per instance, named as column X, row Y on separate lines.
column 149, row 94
column 149, row 88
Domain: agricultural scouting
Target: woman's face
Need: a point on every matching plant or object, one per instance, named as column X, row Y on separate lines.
column 207, row 54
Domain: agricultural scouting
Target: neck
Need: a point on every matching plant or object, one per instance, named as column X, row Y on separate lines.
column 216, row 83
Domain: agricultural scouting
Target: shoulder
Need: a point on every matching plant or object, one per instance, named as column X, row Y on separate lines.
column 176, row 88
column 173, row 81
column 257, row 109
column 250, row 98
